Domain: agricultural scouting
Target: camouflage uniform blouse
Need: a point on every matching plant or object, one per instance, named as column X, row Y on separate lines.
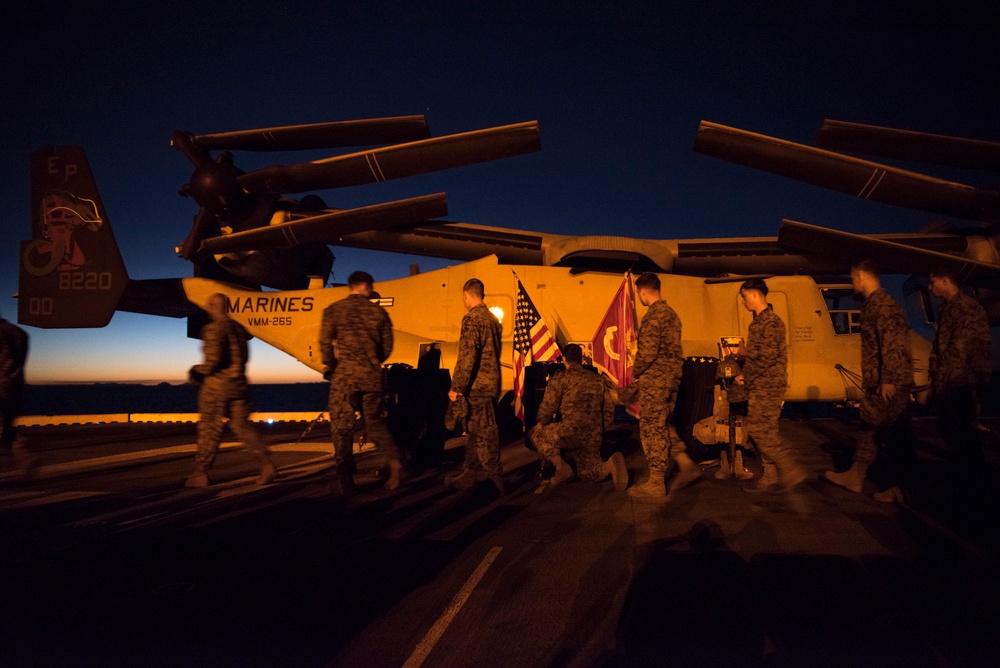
column 224, row 343
column 885, row 343
column 363, row 333
column 962, row 354
column 766, row 366
column 582, row 399
column 658, row 358
column 477, row 370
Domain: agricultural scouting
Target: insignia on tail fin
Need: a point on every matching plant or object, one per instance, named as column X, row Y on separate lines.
column 71, row 271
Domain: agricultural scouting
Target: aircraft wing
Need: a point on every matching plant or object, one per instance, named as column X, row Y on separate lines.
column 895, row 257
column 694, row 257
column 158, row 296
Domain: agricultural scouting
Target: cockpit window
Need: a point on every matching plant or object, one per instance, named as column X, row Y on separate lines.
column 845, row 309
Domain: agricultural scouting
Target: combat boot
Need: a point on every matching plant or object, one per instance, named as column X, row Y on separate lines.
column 653, row 488
column 768, row 480
column 197, row 479
column 563, row 472
column 688, row 473
column 739, row 470
column 615, row 467
column 852, row 479
column 395, row 469
column 724, row 467
column 268, row 472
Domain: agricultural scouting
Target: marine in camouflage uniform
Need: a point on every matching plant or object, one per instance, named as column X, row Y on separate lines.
column 355, row 339
column 224, row 393
column 476, row 379
column 960, row 366
column 584, row 404
column 13, row 355
column 765, row 376
column 657, row 372
column 887, row 381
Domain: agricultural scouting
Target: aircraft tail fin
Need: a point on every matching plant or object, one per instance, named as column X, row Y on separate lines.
column 71, row 271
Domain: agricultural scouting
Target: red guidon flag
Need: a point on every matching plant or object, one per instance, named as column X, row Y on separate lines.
column 533, row 342
column 614, row 342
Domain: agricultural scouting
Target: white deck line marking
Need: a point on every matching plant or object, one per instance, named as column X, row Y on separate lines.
column 425, row 646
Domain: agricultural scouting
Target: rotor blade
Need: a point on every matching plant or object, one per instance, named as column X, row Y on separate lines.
column 908, row 145
column 861, row 178
column 897, row 258
column 319, row 135
column 330, row 227
column 393, row 162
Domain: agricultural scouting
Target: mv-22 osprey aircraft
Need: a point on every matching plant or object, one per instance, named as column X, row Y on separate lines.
column 247, row 234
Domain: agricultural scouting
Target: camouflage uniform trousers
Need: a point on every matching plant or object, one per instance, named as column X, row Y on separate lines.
column 482, row 447
column 660, row 440
column 555, row 439
column 761, row 424
column 885, row 422
column 343, row 407
column 215, row 402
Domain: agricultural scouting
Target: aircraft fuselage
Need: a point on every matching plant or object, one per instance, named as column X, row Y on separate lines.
column 427, row 308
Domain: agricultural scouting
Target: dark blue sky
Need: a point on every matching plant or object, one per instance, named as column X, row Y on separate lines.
column 618, row 94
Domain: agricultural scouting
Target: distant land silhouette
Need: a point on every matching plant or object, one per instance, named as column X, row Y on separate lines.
column 90, row 398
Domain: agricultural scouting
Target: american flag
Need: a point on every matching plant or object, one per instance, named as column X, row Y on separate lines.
column 533, row 342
